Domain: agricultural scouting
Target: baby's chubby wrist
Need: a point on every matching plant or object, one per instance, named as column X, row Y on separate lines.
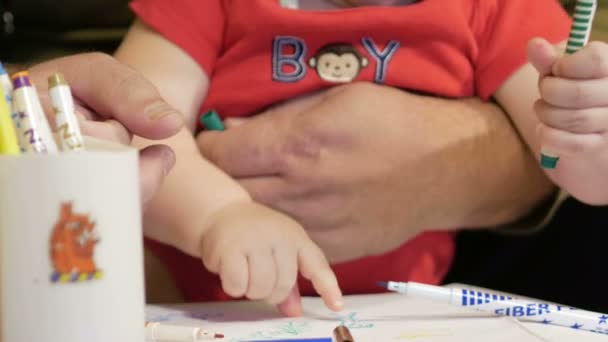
column 214, row 217
column 193, row 230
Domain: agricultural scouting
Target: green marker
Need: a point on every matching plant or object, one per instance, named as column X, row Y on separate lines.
column 212, row 121
column 547, row 161
column 582, row 21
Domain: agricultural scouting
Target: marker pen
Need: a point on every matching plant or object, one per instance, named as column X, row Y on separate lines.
column 580, row 31
column 66, row 123
column 157, row 332
column 8, row 136
column 582, row 22
column 7, row 87
column 30, row 127
column 212, row 121
column 342, row 334
column 521, row 309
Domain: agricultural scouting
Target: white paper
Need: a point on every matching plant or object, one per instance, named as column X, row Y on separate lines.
column 383, row 317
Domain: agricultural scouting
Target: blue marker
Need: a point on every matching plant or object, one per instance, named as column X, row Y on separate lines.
column 7, row 86
column 521, row 309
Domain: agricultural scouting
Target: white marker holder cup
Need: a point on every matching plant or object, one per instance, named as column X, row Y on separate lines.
column 71, row 249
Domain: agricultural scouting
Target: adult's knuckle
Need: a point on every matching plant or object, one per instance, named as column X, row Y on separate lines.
column 305, row 146
column 125, row 81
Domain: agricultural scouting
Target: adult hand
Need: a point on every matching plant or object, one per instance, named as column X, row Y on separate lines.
column 113, row 102
column 365, row 167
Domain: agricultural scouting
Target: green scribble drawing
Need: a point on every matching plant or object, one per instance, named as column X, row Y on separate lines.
column 351, row 321
column 291, row 329
column 287, row 329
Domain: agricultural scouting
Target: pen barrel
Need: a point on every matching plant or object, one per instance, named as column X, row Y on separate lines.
column 7, row 88
column 418, row 290
column 582, row 21
column 159, row 332
column 26, row 123
column 68, row 130
column 527, row 310
column 8, row 136
column 43, row 123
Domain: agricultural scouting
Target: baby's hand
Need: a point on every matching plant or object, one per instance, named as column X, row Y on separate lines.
column 257, row 252
column 573, row 115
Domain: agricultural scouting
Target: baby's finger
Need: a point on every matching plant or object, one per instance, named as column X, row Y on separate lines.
column 565, row 143
column 292, row 305
column 234, row 272
column 262, row 274
column 590, row 120
column 315, row 268
column 567, row 93
column 287, row 275
column 589, row 62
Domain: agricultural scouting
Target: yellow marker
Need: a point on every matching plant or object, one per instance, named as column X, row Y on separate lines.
column 8, row 137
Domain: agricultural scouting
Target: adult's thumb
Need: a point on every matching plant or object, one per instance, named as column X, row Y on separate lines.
column 113, row 90
column 155, row 162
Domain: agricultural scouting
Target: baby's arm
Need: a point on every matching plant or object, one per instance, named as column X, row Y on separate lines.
column 205, row 213
column 571, row 126
column 195, row 188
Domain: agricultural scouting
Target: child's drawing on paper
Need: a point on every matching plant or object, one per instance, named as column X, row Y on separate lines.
column 287, row 329
column 352, row 321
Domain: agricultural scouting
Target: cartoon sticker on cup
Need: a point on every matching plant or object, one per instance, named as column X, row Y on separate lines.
column 72, row 247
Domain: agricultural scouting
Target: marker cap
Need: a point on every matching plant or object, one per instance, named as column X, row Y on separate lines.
column 21, row 79
column 56, row 79
column 548, row 162
column 342, row 334
column 212, row 121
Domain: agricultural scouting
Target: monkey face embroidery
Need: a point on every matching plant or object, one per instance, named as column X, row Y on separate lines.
column 338, row 63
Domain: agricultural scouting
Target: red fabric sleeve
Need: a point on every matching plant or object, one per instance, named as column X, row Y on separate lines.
column 504, row 28
column 196, row 26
